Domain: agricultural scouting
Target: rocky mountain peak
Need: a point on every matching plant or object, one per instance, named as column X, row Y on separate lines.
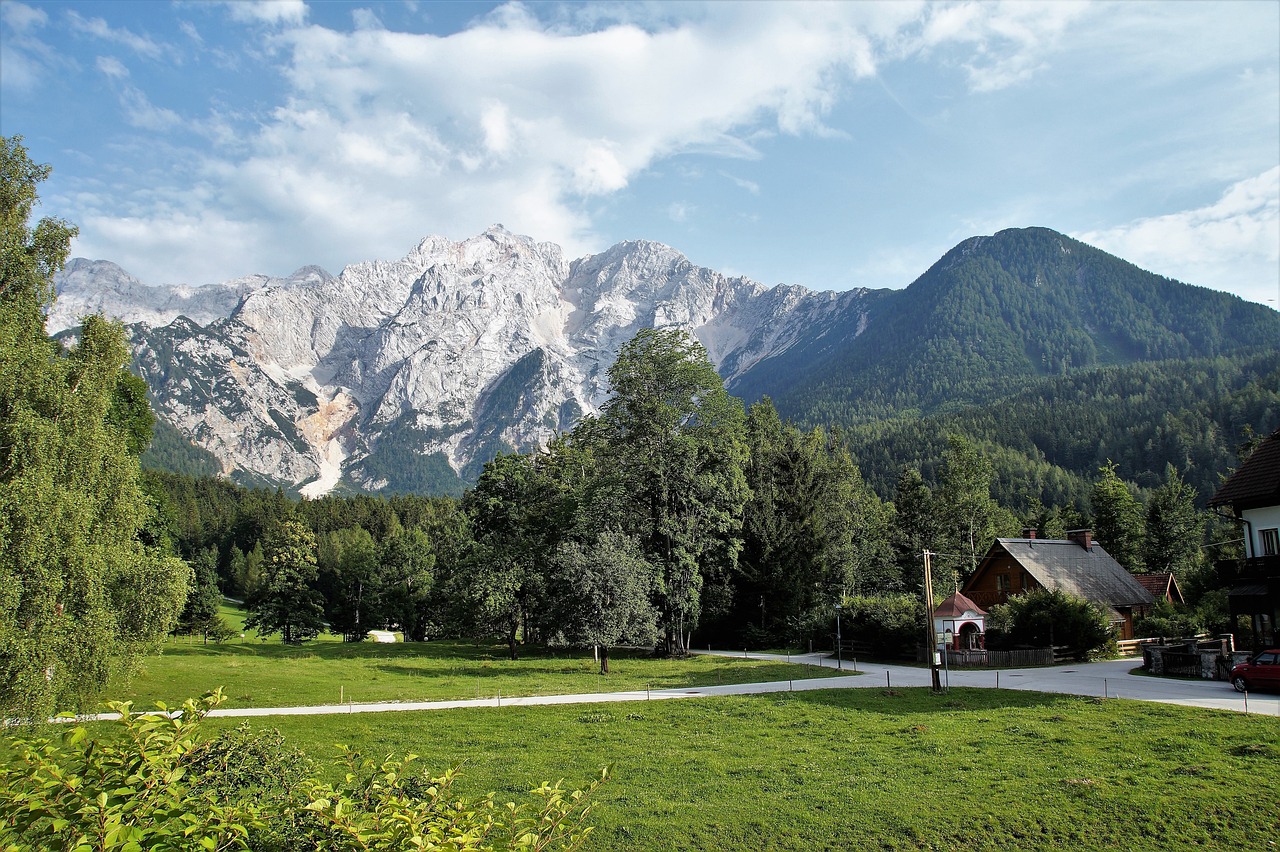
column 409, row 374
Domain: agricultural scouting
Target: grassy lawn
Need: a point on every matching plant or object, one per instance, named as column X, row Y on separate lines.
column 257, row 673
column 853, row 769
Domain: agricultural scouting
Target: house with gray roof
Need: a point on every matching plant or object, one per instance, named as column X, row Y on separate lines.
column 1075, row 565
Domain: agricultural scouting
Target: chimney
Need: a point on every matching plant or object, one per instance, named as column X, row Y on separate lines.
column 1084, row 538
column 1029, row 532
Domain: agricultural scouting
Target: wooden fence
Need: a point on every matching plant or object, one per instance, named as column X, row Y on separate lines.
column 1023, row 657
column 1133, row 647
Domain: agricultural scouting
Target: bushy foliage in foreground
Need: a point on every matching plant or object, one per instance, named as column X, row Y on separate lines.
column 158, row 784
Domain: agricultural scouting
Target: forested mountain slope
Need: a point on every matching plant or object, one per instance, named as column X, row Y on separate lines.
column 1047, row 442
column 995, row 315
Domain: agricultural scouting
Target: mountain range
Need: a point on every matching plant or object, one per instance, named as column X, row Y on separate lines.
column 408, row 375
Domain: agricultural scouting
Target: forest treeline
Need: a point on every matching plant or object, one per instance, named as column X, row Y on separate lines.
column 675, row 518
column 1049, row 441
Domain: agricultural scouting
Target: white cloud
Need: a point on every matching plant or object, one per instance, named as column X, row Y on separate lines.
column 517, row 121
column 23, row 56
column 140, row 112
column 99, row 28
column 1002, row 43
column 22, row 18
column 537, row 120
column 366, row 19
column 136, row 242
column 1232, row 244
column 679, row 211
column 742, row 183
column 189, row 30
column 112, row 67
column 275, row 12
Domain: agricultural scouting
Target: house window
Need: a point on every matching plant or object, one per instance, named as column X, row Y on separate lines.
column 1002, row 583
column 1270, row 541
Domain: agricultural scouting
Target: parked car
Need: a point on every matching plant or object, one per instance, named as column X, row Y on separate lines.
column 1261, row 671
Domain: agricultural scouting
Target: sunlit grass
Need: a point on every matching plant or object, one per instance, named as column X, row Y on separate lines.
column 257, row 672
column 859, row 769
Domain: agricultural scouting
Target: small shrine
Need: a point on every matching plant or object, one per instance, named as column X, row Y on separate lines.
column 960, row 624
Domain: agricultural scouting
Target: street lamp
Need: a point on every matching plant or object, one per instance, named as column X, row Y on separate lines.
column 839, row 649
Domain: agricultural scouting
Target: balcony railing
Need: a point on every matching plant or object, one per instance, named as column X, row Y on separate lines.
column 1258, row 568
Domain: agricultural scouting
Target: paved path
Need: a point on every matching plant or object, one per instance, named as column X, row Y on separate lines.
column 1110, row 679
column 1107, row 679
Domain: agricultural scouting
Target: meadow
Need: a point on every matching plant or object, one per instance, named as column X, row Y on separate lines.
column 859, row 769
column 254, row 672
column 871, row 768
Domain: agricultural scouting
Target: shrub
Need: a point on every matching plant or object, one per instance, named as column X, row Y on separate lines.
column 121, row 792
column 153, row 783
column 890, row 624
column 1042, row 617
column 1168, row 620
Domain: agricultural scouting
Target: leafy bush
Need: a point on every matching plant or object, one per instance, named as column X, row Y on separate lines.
column 890, row 624
column 1042, row 617
column 154, row 783
column 122, row 792
column 1169, row 621
column 383, row 806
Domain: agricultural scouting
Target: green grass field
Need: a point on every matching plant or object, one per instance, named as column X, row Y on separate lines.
column 258, row 673
column 861, row 769
column 833, row 769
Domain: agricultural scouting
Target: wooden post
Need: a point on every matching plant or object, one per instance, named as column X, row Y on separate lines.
column 930, row 646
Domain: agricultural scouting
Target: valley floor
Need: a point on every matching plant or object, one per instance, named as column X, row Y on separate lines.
column 1107, row 679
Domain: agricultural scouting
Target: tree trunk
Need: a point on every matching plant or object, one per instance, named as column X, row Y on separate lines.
column 511, row 642
column 604, row 659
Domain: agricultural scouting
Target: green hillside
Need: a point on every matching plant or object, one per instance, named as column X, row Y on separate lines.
column 1052, row 354
column 1048, row 441
column 998, row 313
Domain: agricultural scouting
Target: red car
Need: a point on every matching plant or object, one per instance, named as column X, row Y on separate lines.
column 1262, row 671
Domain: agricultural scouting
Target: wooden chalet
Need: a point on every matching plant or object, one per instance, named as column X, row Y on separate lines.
column 1075, row 565
column 1252, row 494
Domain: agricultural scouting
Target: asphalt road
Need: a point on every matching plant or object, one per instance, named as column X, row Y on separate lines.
column 1110, row 679
column 1107, row 679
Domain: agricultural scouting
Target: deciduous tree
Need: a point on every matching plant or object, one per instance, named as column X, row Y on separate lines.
column 674, row 452
column 606, row 595
column 408, row 566
column 288, row 603
column 81, row 596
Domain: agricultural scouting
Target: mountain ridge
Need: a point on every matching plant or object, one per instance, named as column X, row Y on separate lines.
column 410, row 374
column 453, row 353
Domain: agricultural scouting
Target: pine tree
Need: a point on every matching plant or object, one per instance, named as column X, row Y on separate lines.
column 1117, row 518
column 1175, row 529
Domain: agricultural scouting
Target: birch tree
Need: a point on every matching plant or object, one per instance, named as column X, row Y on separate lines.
column 81, row 596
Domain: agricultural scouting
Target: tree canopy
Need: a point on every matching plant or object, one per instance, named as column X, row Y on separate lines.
column 82, row 596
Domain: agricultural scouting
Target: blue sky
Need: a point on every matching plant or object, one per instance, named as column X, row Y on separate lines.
column 832, row 145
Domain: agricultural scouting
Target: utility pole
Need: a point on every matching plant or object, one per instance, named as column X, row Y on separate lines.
column 931, row 639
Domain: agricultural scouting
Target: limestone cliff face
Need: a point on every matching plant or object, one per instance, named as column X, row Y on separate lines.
column 393, row 374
